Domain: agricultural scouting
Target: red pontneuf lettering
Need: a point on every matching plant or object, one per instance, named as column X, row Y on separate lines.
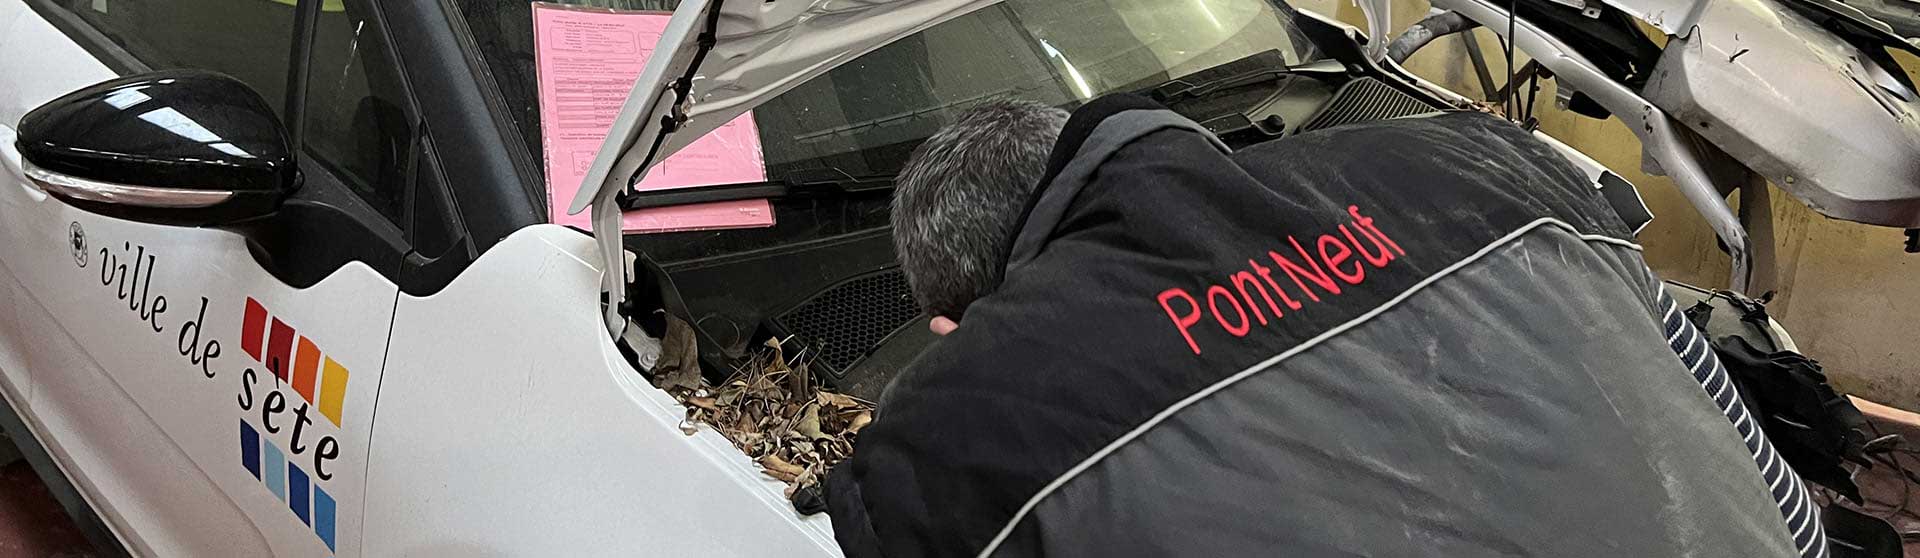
column 1334, row 257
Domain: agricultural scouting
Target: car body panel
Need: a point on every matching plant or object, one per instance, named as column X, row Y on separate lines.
column 1670, row 16
column 175, row 448
column 1799, row 105
column 510, row 424
column 141, row 402
column 1791, row 99
column 1660, row 135
column 1902, row 16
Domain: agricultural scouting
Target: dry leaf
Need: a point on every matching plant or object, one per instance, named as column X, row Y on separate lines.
column 732, row 392
column 765, row 387
column 707, row 403
column 679, row 365
column 797, row 383
column 770, row 409
column 776, row 362
column 809, row 424
column 774, row 462
column 838, row 401
column 780, row 468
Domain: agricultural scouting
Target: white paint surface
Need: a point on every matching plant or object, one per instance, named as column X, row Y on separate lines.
column 153, row 443
column 508, row 424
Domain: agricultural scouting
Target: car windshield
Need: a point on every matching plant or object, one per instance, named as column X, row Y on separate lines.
column 863, row 118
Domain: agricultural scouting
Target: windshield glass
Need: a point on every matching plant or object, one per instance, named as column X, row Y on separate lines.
column 864, row 118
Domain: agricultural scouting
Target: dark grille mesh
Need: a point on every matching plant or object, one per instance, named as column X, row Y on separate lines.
column 1366, row 100
column 847, row 320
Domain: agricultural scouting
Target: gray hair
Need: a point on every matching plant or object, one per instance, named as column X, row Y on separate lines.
column 958, row 199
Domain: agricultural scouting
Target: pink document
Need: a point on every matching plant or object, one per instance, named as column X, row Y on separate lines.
column 588, row 60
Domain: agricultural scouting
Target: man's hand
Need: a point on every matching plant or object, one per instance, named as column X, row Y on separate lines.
column 942, row 326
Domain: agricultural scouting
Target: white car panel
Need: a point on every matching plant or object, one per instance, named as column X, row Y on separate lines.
column 511, row 425
column 124, row 394
column 14, row 372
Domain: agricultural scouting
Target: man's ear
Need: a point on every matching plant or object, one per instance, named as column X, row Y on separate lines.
column 942, row 326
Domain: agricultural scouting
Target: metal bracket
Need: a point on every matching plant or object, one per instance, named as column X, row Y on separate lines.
column 1658, row 133
column 669, row 88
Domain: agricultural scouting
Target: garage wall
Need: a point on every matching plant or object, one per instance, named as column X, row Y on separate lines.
column 1847, row 292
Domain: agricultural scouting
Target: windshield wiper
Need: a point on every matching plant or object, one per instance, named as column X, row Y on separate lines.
column 839, row 188
column 1254, row 69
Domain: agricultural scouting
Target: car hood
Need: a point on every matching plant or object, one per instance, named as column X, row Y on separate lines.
column 757, row 51
column 716, row 60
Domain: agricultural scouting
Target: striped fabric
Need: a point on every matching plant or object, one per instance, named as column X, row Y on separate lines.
column 1796, row 505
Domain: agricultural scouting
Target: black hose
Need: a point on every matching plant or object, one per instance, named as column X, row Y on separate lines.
column 1425, row 31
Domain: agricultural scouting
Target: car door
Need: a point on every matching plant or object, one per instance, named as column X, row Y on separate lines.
column 210, row 391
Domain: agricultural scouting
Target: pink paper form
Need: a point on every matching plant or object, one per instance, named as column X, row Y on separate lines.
column 587, row 62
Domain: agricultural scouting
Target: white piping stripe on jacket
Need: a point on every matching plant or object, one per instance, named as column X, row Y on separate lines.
column 1163, row 415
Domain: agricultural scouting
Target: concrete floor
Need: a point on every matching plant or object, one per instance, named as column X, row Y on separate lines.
column 1888, row 495
column 1892, row 498
column 32, row 525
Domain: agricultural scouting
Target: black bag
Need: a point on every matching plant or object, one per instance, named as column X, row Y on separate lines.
column 1813, row 427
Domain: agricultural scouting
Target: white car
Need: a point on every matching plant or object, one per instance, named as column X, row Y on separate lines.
column 312, row 305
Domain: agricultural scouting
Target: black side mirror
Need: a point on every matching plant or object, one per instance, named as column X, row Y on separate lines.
column 177, row 147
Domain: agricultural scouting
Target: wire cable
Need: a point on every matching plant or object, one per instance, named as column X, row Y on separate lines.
column 1906, row 478
column 1507, row 100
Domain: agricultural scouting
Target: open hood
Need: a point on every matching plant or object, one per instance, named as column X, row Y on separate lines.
column 716, row 60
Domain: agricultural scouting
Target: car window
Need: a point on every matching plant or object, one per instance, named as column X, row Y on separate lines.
column 356, row 119
column 248, row 39
column 503, row 32
column 865, row 118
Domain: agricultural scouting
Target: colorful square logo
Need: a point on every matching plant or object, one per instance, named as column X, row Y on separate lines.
column 288, row 482
column 294, row 359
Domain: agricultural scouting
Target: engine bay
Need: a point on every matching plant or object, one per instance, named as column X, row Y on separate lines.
column 835, row 291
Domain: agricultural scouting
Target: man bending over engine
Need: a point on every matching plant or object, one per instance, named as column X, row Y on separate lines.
column 1415, row 337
